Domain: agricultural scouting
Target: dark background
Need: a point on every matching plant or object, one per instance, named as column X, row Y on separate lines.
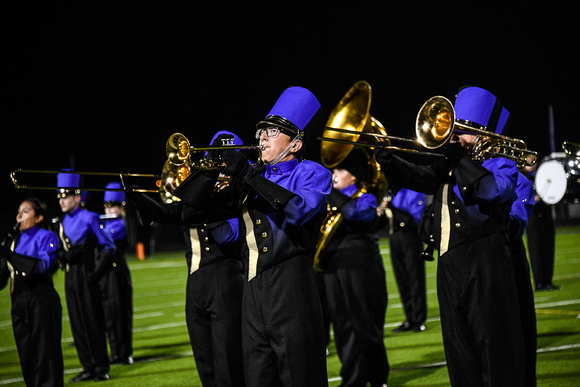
column 104, row 84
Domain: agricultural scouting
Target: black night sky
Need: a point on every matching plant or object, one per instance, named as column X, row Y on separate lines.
column 104, row 84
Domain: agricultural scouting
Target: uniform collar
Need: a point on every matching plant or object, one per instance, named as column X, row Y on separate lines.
column 74, row 212
column 31, row 231
column 348, row 191
column 281, row 168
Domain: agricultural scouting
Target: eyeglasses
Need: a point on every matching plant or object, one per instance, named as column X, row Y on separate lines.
column 271, row 132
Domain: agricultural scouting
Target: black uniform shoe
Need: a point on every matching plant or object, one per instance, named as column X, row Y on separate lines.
column 101, row 376
column 408, row 327
column 404, row 327
column 418, row 328
column 547, row 287
column 85, row 375
column 121, row 360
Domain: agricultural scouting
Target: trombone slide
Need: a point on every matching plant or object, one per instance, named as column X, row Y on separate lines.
column 101, row 187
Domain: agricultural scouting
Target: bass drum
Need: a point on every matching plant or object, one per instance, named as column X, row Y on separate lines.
column 558, row 178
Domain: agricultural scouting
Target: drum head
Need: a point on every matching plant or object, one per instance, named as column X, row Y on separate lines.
column 551, row 181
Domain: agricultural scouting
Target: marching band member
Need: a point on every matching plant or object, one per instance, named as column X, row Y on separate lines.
column 519, row 214
column 280, row 209
column 82, row 238
column 480, row 320
column 214, row 287
column 116, row 284
column 29, row 260
column 354, row 277
column 541, row 239
column 406, row 246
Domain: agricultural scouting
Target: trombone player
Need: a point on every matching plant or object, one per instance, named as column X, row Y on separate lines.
column 280, row 208
column 482, row 333
column 213, row 299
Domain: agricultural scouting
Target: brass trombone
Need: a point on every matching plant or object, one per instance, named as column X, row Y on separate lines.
column 434, row 126
column 162, row 182
column 120, row 175
column 357, row 128
column 179, row 150
column 179, row 161
column 436, row 122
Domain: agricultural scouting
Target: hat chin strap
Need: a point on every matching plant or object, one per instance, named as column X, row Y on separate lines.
column 285, row 151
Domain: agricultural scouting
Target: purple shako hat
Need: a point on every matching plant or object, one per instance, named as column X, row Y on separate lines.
column 68, row 183
column 293, row 110
column 237, row 139
column 479, row 108
column 114, row 196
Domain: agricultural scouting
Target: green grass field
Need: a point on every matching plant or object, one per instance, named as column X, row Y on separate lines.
column 163, row 356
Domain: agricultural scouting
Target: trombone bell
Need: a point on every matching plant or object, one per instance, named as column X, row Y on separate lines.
column 178, row 149
column 435, row 121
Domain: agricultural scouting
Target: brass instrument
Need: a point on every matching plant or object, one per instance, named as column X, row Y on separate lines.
column 175, row 170
column 434, row 126
column 120, row 175
column 436, row 122
column 352, row 119
column 179, row 161
column 351, row 124
column 165, row 196
column 572, row 149
column 171, row 177
column 179, row 151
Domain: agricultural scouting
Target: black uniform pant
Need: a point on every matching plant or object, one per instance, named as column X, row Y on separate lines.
column 282, row 327
column 117, row 293
column 213, row 314
column 357, row 299
column 87, row 320
column 409, row 268
column 541, row 233
column 527, row 308
column 37, row 325
column 480, row 314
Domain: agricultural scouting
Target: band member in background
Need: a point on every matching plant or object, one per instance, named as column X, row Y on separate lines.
column 82, row 241
column 29, row 259
column 520, row 212
column 116, row 284
column 354, row 278
column 541, row 239
column 280, row 209
column 214, row 286
column 407, row 207
column 478, row 301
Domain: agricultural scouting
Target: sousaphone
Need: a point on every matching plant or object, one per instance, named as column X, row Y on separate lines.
column 351, row 117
